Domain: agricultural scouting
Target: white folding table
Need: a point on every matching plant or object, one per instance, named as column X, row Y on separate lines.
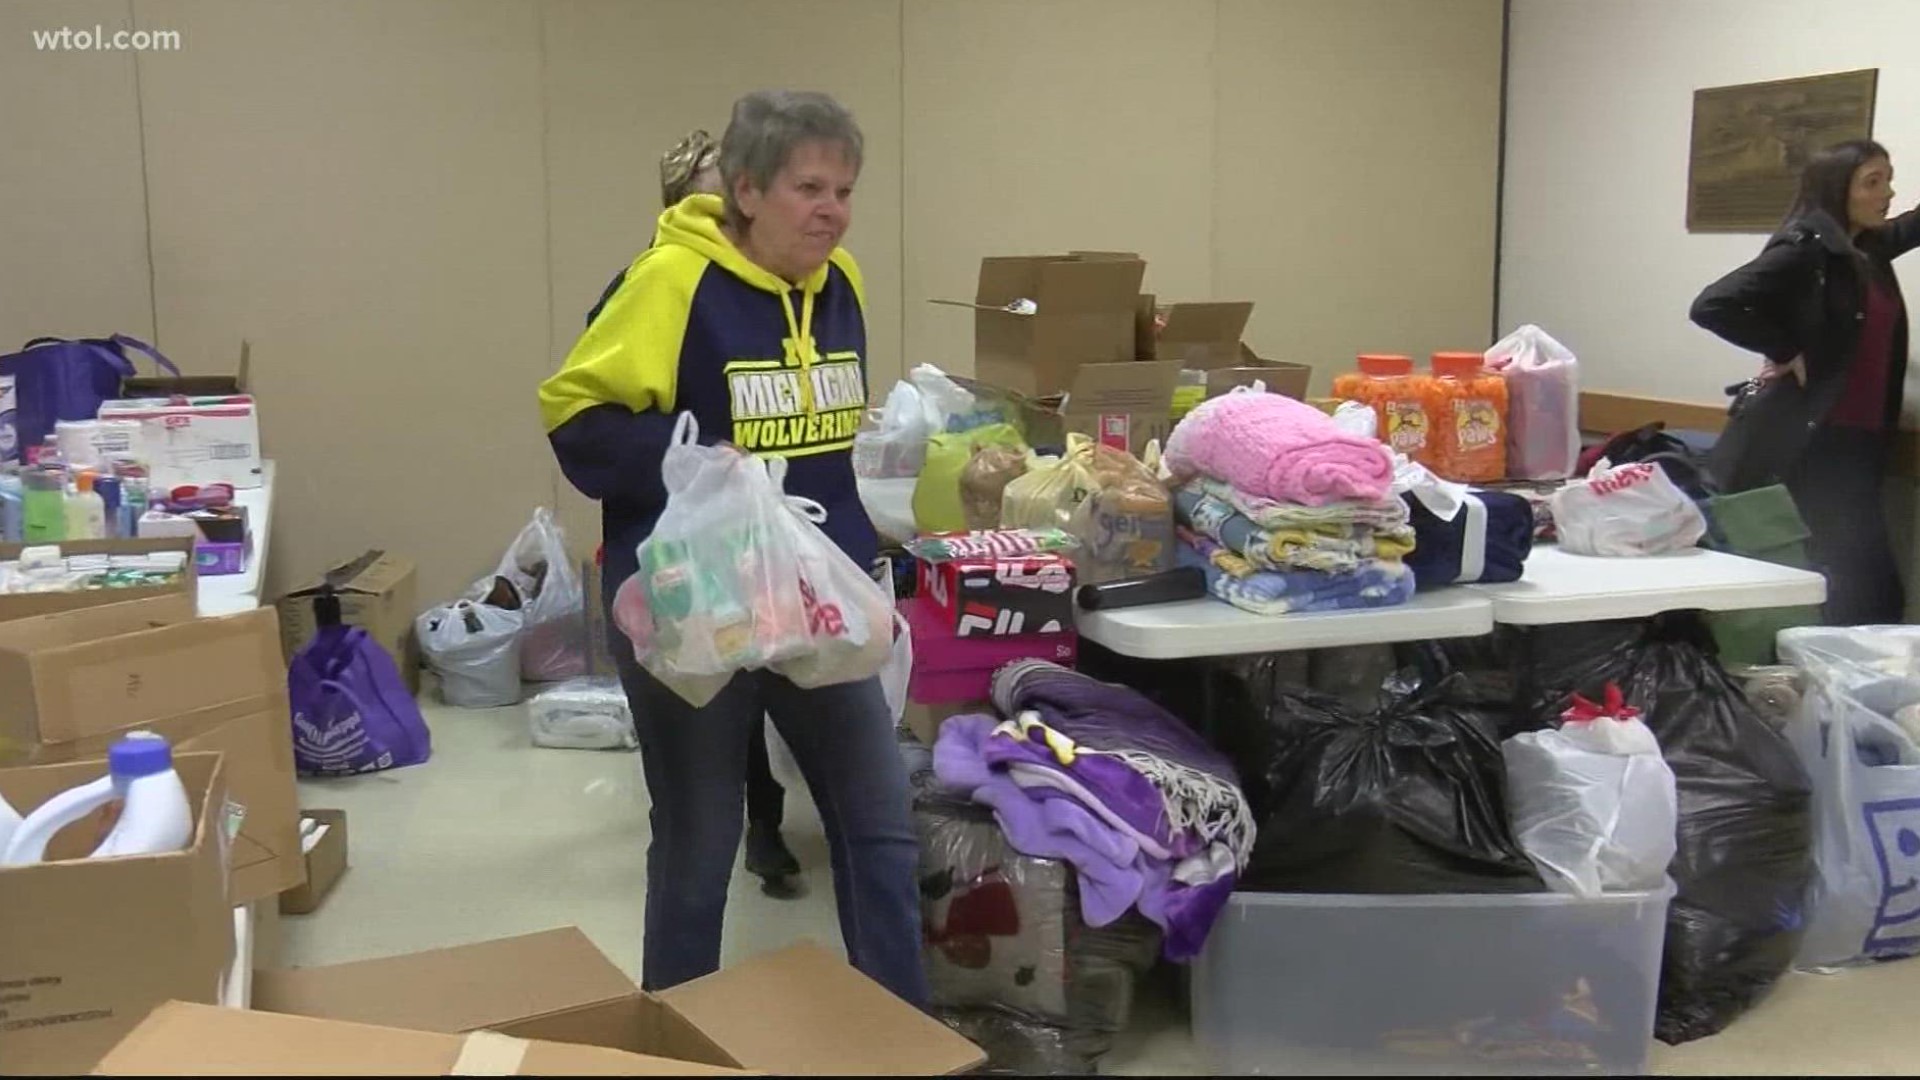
column 1559, row 587
column 231, row 594
column 1208, row 627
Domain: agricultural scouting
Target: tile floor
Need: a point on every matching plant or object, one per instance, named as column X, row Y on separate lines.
column 493, row 837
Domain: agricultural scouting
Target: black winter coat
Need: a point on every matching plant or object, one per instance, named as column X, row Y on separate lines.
column 1804, row 295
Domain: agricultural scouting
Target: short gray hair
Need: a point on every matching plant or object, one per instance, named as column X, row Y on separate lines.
column 767, row 125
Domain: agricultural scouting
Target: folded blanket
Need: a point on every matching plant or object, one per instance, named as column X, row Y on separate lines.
column 1488, row 540
column 1331, row 547
column 1269, row 592
column 1382, row 514
column 1278, row 448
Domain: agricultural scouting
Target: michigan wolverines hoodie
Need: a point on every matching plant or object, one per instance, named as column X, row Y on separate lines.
column 775, row 368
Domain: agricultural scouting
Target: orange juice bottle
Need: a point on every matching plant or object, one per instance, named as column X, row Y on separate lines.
column 1468, row 406
column 1387, row 382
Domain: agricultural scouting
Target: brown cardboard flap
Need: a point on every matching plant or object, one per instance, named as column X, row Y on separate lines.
column 161, row 384
column 94, row 623
column 28, row 605
column 485, row 985
column 180, row 1039
column 1142, row 387
column 1203, row 336
column 802, row 1011
column 1083, row 285
column 371, row 574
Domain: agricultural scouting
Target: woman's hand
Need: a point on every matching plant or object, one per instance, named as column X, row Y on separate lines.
column 1796, row 367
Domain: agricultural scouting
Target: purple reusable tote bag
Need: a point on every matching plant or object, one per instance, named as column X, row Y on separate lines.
column 351, row 709
column 55, row 379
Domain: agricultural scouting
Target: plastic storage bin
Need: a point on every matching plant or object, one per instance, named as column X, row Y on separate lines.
column 1533, row 983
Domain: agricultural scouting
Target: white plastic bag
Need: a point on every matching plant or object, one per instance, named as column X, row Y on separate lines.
column 1593, row 803
column 582, row 714
column 1865, row 771
column 715, row 593
column 1543, row 412
column 849, row 618
column 475, row 649
column 554, row 644
column 1357, row 418
column 898, row 673
column 949, row 405
column 1633, row 509
column 898, row 447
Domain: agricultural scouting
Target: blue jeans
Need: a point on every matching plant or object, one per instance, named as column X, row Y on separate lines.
column 696, row 768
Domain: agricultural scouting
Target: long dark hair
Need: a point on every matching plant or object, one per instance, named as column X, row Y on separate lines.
column 1828, row 179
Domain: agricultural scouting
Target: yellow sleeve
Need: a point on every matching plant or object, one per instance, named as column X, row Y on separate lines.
column 630, row 355
column 843, row 259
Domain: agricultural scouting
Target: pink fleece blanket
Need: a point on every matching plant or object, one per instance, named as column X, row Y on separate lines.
column 1277, row 448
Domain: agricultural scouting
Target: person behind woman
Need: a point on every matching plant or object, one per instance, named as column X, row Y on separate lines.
column 692, row 167
column 747, row 313
column 1822, row 305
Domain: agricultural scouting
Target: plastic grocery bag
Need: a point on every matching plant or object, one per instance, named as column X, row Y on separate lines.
column 582, row 714
column 1543, row 410
column 1865, row 767
column 848, row 617
column 937, row 505
column 1053, row 488
column 475, row 649
column 895, row 677
column 898, row 447
column 1407, row 799
column 1125, row 521
column 554, row 637
column 1593, row 802
column 1626, row 510
column 715, row 593
column 983, row 483
column 950, row 407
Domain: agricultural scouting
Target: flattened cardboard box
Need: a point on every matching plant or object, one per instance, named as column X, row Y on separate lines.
column 70, row 684
column 88, row 947
column 799, row 1010
column 376, row 594
column 28, row 605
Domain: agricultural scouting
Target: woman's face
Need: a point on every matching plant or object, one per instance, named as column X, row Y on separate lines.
column 803, row 214
column 1870, row 195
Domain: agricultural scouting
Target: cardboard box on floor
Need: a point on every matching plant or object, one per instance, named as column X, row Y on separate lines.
column 325, row 862
column 799, row 1010
column 28, row 605
column 376, row 594
column 88, row 946
column 72, row 683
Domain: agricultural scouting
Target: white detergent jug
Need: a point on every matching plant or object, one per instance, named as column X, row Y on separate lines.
column 155, row 814
column 9, row 822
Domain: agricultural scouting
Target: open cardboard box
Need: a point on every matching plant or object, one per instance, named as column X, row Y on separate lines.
column 88, row 946
column 72, row 683
column 799, row 1010
column 1084, row 314
column 376, row 594
column 161, row 384
column 27, row 605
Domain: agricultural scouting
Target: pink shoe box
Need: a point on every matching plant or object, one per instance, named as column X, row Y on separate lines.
column 1001, row 595
column 949, row 668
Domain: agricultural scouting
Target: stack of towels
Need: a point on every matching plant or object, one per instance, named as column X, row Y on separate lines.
column 1149, row 815
column 1284, row 511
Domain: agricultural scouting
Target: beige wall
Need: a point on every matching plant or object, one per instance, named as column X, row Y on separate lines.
column 408, row 205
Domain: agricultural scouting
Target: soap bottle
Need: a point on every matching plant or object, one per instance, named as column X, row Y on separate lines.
column 86, row 513
column 12, row 510
column 43, row 506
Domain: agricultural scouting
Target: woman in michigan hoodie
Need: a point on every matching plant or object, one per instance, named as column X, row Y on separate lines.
column 747, row 313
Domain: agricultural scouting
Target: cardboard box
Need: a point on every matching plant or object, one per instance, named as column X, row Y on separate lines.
column 1281, row 376
column 161, row 384
column 1201, row 336
column 325, row 862
column 376, row 594
column 924, row 720
column 28, row 605
column 799, row 1010
column 70, row 684
column 1084, row 314
column 1001, row 596
column 201, row 440
column 88, row 947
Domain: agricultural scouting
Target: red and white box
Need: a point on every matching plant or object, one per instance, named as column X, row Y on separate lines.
column 948, row 670
column 1001, row 596
column 213, row 440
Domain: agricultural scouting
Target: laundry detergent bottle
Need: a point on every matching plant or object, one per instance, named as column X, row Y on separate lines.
column 155, row 814
column 9, row 823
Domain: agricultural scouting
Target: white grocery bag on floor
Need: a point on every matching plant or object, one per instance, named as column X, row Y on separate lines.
column 1865, row 771
column 475, row 649
column 555, row 645
column 1543, row 414
column 588, row 713
column 1625, row 510
column 1593, row 803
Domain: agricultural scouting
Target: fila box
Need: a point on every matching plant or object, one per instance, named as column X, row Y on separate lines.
column 1001, row 595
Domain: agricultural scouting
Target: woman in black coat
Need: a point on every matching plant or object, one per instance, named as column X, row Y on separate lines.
column 1823, row 307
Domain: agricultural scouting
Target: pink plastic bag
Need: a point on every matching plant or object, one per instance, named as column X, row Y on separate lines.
column 1543, row 414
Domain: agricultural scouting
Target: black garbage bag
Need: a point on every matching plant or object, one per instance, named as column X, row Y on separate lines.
column 1745, row 862
column 1409, row 798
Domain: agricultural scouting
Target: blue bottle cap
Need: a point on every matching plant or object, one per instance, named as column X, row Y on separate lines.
column 140, row 753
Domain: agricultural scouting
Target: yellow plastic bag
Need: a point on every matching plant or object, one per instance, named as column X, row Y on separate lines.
column 1051, row 491
column 1125, row 524
column 936, row 496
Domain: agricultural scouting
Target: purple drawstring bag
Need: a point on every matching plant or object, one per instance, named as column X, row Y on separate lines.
column 351, row 709
column 55, row 379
